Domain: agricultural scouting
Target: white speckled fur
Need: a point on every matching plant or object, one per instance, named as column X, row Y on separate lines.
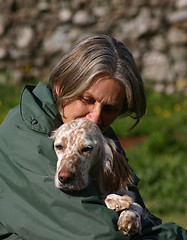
column 96, row 165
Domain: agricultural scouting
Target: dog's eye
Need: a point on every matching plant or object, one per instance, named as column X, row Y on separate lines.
column 59, row 147
column 87, row 149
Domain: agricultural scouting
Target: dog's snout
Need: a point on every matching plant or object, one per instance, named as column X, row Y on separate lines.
column 65, row 176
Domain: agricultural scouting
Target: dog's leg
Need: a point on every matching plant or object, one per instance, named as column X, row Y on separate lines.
column 117, row 202
column 129, row 221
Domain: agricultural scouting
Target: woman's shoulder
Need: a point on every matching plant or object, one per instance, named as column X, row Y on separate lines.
column 10, row 120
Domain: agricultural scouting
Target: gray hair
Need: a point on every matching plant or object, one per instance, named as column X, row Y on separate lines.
column 97, row 55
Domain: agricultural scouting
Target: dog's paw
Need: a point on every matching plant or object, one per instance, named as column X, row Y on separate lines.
column 117, row 202
column 129, row 222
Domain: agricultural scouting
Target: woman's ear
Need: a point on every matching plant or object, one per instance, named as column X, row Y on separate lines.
column 58, row 90
column 116, row 172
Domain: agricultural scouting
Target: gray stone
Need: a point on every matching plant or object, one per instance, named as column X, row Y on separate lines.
column 82, row 18
column 158, row 87
column 170, row 89
column 156, row 66
column 58, row 41
column 177, row 16
column 3, row 52
column 40, row 32
column 181, row 3
column 65, row 15
column 178, row 53
column 179, row 70
column 43, row 6
column 158, row 43
column 177, row 36
column 17, row 53
column 99, row 11
column 24, row 37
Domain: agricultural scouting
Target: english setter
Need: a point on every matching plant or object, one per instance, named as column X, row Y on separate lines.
column 84, row 156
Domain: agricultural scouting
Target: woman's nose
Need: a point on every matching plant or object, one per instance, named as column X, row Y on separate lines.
column 95, row 115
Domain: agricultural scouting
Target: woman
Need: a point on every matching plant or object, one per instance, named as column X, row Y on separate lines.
column 98, row 81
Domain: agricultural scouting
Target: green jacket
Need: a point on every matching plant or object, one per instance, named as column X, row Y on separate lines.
column 31, row 208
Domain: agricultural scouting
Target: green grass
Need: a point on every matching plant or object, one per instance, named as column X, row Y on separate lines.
column 160, row 161
column 9, row 97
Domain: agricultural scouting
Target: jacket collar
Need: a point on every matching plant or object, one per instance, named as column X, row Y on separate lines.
column 39, row 109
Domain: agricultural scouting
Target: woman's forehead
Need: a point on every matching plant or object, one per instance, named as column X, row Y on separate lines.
column 106, row 88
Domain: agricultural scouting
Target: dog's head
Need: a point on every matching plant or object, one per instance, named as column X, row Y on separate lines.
column 84, row 153
column 78, row 147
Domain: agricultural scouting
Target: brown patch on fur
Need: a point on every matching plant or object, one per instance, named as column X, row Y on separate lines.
column 120, row 175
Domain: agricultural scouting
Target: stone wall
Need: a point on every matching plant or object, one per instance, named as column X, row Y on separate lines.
column 35, row 33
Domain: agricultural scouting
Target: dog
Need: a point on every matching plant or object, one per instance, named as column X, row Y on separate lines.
column 86, row 156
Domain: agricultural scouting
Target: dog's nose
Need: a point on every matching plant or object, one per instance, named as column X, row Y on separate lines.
column 65, row 176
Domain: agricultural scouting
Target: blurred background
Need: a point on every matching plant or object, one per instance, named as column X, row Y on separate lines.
column 34, row 34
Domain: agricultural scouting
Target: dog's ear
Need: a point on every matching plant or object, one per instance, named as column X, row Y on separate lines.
column 115, row 173
column 54, row 134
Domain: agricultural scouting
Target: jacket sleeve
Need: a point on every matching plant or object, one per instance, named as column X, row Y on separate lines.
column 150, row 220
column 6, row 234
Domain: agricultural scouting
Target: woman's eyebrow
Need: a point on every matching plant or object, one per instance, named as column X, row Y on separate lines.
column 87, row 92
column 115, row 104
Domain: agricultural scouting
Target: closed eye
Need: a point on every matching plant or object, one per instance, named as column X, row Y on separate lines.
column 87, row 149
column 59, row 147
column 87, row 99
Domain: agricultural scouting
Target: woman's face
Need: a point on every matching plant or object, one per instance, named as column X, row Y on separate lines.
column 101, row 103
